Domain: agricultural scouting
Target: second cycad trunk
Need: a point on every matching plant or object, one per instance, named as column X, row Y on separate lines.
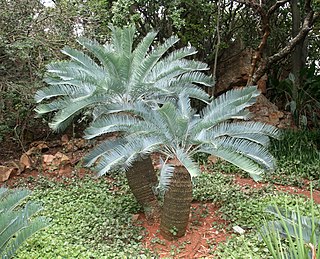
column 141, row 178
column 176, row 205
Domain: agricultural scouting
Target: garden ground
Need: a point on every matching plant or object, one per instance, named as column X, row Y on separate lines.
column 224, row 197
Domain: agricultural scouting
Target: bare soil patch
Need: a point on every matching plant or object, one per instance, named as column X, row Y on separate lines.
column 205, row 231
column 246, row 182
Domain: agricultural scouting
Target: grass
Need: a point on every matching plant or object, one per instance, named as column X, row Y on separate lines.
column 92, row 218
column 297, row 155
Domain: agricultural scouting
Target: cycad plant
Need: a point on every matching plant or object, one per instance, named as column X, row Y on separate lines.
column 17, row 223
column 118, row 73
column 175, row 131
column 301, row 232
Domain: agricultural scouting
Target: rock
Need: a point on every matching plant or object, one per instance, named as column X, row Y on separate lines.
column 59, row 161
column 25, row 162
column 265, row 111
column 6, row 172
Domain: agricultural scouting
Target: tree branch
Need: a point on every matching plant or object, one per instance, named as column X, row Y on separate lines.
column 275, row 7
column 308, row 22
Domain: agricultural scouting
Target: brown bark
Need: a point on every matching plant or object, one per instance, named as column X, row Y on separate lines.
column 176, row 205
column 141, row 178
column 308, row 22
column 297, row 64
column 265, row 31
column 259, row 65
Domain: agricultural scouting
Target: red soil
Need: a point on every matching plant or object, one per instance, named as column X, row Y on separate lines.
column 288, row 189
column 206, row 228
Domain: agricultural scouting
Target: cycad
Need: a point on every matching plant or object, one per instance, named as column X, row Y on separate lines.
column 178, row 134
column 301, row 232
column 16, row 224
column 118, row 73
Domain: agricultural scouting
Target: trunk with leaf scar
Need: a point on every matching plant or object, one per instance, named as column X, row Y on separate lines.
column 176, row 205
column 141, row 178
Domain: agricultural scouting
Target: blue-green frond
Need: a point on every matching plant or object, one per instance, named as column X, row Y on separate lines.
column 8, row 201
column 104, row 53
column 184, row 106
column 256, row 152
column 141, row 71
column 139, row 108
column 17, row 223
column 143, row 48
column 187, row 162
column 180, row 54
column 166, row 173
column 99, row 111
column 169, row 114
column 60, row 125
column 68, row 70
column 193, row 77
column 168, row 70
column 122, row 156
column 54, row 105
column 140, row 147
column 172, row 92
column 110, row 161
column 102, row 149
column 122, row 38
column 238, row 159
column 83, row 61
column 241, row 98
column 110, row 123
column 229, row 106
column 255, row 131
column 72, row 91
column 71, row 109
column 23, row 234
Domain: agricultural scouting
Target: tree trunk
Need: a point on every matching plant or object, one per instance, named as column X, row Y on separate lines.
column 298, row 58
column 176, row 205
column 141, row 178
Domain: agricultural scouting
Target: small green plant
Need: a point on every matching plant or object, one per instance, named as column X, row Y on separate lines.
column 297, row 154
column 301, row 233
column 303, row 102
column 17, row 223
column 90, row 218
column 174, row 230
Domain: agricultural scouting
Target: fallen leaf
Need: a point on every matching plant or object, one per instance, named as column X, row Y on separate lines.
column 64, row 139
column 70, row 147
column 31, row 151
column 47, row 159
column 213, row 159
column 43, row 147
column 62, row 157
column 37, row 147
column 80, row 143
column 5, row 172
column 25, row 162
column 135, row 218
column 65, row 169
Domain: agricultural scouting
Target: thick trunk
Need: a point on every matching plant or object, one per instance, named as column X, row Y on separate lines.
column 299, row 56
column 176, row 205
column 141, row 178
